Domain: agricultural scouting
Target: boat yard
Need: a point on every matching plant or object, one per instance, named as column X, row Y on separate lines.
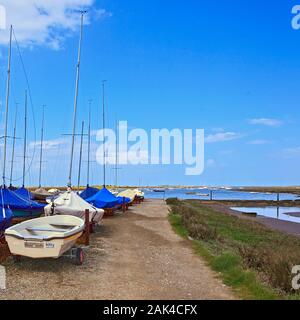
column 135, row 255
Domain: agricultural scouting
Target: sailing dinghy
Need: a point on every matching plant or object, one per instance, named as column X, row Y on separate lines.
column 47, row 237
column 70, row 203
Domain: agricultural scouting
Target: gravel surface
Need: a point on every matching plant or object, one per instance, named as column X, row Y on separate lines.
column 132, row 256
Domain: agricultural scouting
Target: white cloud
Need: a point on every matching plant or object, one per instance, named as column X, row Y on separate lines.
column 266, row 122
column 222, row 136
column 49, row 144
column 290, row 153
column 211, row 163
column 259, row 142
column 46, row 22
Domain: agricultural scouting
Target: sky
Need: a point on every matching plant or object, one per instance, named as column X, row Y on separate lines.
column 229, row 67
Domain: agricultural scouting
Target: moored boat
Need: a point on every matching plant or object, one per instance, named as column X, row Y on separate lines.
column 47, row 237
column 20, row 207
column 70, row 203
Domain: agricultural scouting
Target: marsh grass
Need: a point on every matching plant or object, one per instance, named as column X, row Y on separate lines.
column 254, row 260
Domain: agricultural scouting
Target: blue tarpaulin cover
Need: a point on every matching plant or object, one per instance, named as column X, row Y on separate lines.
column 24, row 193
column 88, row 193
column 9, row 199
column 5, row 218
column 103, row 199
column 122, row 200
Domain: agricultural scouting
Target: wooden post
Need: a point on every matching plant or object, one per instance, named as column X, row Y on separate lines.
column 211, row 195
column 87, row 227
column 278, row 197
column 124, row 205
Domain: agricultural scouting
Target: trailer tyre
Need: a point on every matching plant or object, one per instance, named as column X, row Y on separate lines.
column 79, row 257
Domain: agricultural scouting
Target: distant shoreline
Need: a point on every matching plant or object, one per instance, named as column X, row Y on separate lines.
column 274, row 189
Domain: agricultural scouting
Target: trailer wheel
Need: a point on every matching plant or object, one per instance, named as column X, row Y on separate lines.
column 79, row 257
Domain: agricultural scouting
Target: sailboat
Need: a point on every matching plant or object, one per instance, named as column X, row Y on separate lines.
column 69, row 202
column 9, row 200
column 11, row 187
column 41, row 194
column 23, row 192
column 104, row 198
column 89, row 192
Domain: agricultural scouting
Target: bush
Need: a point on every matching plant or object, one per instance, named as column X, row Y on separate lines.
column 275, row 265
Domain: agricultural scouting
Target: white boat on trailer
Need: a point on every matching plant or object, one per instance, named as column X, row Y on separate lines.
column 46, row 237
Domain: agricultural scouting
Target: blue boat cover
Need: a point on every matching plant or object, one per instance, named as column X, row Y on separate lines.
column 88, row 193
column 9, row 199
column 122, row 200
column 103, row 199
column 5, row 218
column 24, row 193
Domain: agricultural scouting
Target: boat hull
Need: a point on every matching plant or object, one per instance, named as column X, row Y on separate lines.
column 37, row 249
column 27, row 213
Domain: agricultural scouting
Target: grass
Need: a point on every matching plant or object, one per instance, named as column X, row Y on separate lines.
column 253, row 260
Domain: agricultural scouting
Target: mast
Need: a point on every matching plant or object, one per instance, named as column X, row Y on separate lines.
column 13, row 146
column 103, row 116
column 117, row 158
column 80, row 156
column 7, row 107
column 25, row 140
column 41, row 148
column 75, row 99
column 89, row 145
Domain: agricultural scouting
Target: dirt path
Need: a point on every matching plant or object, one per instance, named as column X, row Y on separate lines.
column 132, row 256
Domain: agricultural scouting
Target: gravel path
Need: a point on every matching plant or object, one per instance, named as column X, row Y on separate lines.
column 132, row 256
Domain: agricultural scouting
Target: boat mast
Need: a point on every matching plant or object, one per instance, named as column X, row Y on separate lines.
column 41, row 147
column 7, row 106
column 89, row 145
column 80, row 155
column 75, row 99
column 25, row 140
column 103, row 116
column 13, row 147
column 117, row 158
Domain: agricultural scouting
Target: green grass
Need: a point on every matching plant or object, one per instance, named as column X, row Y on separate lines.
column 241, row 251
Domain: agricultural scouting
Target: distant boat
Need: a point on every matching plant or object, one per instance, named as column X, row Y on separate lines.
column 158, row 190
column 202, row 194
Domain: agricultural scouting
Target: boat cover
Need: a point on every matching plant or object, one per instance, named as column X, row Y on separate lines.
column 24, row 193
column 70, row 203
column 5, row 218
column 88, row 192
column 123, row 200
column 13, row 201
column 129, row 193
column 103, row 199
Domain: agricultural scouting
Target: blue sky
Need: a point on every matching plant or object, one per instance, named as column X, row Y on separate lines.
column 229, row 67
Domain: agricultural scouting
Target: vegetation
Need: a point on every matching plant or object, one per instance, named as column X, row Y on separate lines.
column 254, row 260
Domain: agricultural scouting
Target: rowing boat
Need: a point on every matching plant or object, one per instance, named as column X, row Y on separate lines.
column 46, row 237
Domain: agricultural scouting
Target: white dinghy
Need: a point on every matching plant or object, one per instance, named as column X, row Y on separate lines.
column 47, row 237
column 70, row 203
